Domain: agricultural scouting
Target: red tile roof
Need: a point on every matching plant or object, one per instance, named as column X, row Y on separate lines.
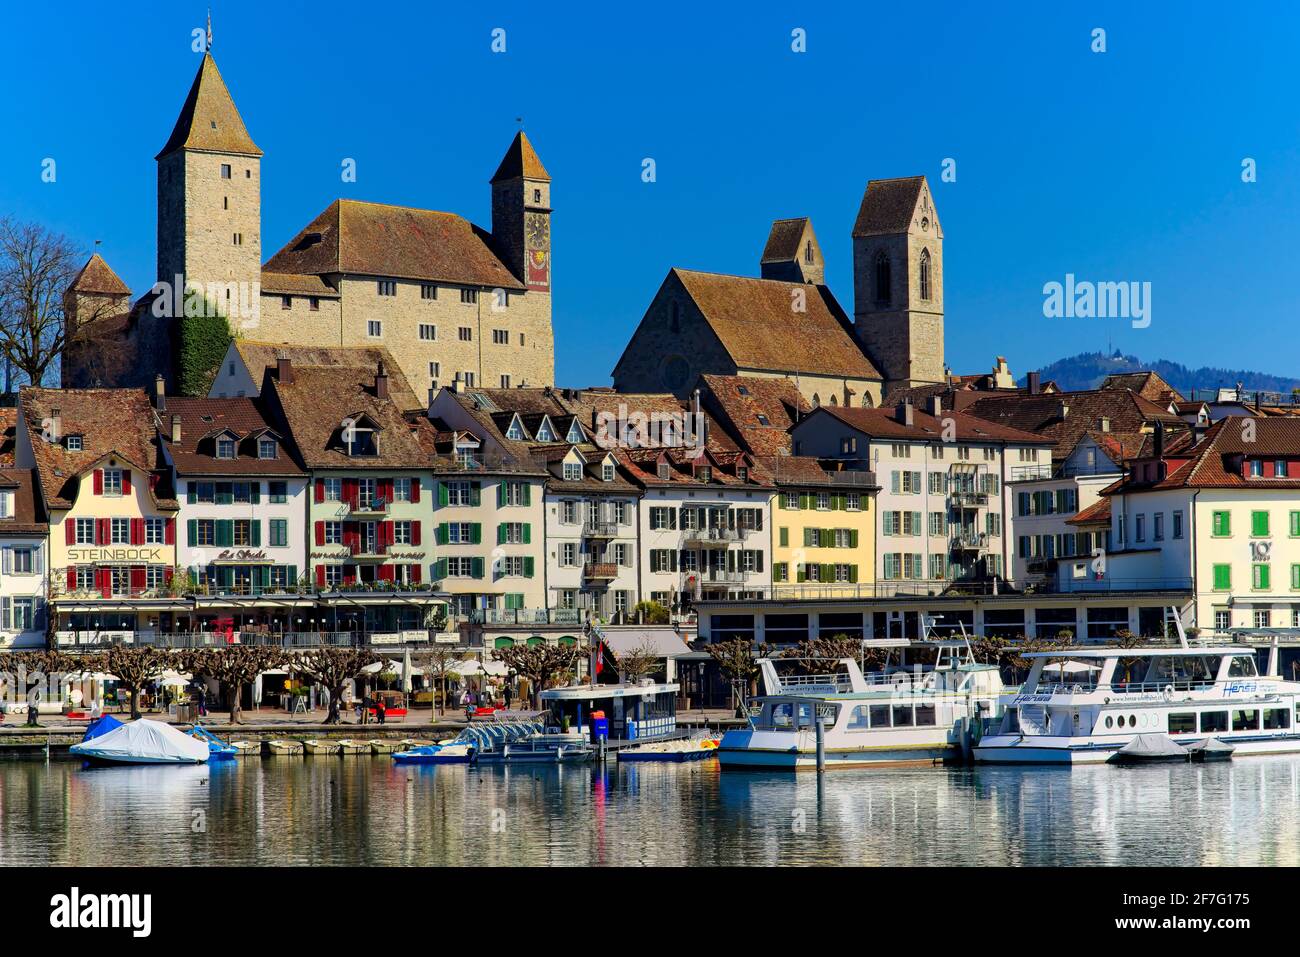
column 204, row 420
column 209, row 120
column 521, row 160
column 884, row 424
column 97, row 278
column 26, row 517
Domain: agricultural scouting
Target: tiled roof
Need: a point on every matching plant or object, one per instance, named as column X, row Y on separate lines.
column 783, row 240
column 1215, row 462
column 203, row 420
column 25, row 519
column 293, row 284
column 758, row 412
column 98, row 278
column 804, row 470
column 260, row 356
column 110, row 421
column 520, row 160
column 887, row 206
column 552, row 457
column 1127, row 411
column 642, row 468
column 373, row 239
column 209, row 119
column 319, row 401
column 8, row 429
column 756, row 323
column 1149, row 385
column 1098, row 513
column 884, row 424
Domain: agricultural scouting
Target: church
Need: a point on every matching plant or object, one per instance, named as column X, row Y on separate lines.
column 787, row 323
column 450, row 301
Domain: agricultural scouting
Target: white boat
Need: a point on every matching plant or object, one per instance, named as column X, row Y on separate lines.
column 1085, row 706
column 143, row 742
column 888, row 718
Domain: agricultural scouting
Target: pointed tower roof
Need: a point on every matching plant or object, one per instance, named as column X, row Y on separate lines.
column 521, row 160
column 209, row 120
column 784, row 240
column 98, row 278
column 888, row 206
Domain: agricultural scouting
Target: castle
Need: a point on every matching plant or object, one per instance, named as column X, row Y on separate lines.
column 451, row 302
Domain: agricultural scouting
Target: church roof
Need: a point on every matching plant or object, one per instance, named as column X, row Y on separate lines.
column 783, row 240
column 756, row 324
column 887, row 206
column 374, row 239
column 209, row 120
column 98, row 277
column 521, row 160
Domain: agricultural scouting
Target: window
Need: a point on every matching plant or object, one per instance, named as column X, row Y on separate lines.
column 266, row 448
column 925, row 275
column 1263, row 619
column 1140, row 528
column 85, row 531
column 1214, row 721
column 238, row 239
column 241, row 532
column 1245, row 720
column 1183, row 723
column 428, row 291
column 286, row 302
column 225, row 171
column 21, row 561
column 279, row 533
column 1221, row 524
column 501, row 337
column 1177, row 525
column 1276, row 719
column 1158, row 527
column 1222, row 620
column 607, row 472
column 429, row 333
column 73, row 443
column 313, row 303
column 505, row 382
column 155, row 531
column 1222, row 577
column 374, row 328
column 387, row 287
column 333, row 532
column 402, row 489
column 402, row 533
column 469, row 296
column 203, row 532
column 225, row 447
column 333, row 489
column 572, row 471
column 434, row 372
column 465, row 334
column 569, row 554
column 1256, row 468
column 112, row 481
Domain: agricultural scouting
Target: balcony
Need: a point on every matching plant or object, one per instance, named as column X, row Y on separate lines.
column 527, row 616
column 209, row 639
column 376, row 507
column 713, row 576
column 970, row 541
column 600, row 571
column 968, row 499
column 600, row 530
column 718, row 537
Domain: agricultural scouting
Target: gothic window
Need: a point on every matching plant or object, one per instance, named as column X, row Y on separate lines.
column 817, row 401
column 807, row 252
column 882, row 277
column 834, row 400
column 925, row 275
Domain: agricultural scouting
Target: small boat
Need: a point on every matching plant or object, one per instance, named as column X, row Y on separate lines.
column 460, row 753
column 218, row 750
column 247, row 749
column 315, row 746
column 142, row 742
column 352, row 746
column 690, row 749
column 1211, row 749
column 1151, row 749
column 379, row 746
column 278, row 746
column 407, row 743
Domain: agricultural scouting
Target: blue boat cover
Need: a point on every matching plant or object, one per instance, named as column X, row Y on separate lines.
column 101, row 725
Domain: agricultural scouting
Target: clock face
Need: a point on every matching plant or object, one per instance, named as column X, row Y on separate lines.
column 538, row 232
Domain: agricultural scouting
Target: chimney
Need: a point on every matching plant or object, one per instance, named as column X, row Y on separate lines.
column 904, row 412
column 1158, row 442
column 432, row 390
column 176, row 429
column 283, row 369
column 456, row 384
column 381, row 382
column 1062, row 409
column 1034, row 383
column 936, row 405
column 56, row 424
column 159, row 393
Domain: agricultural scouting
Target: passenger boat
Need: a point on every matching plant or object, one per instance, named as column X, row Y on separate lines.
column 894, row 717
column 1086, row 706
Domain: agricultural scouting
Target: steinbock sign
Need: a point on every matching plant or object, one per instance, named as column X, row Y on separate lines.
column 146, row 555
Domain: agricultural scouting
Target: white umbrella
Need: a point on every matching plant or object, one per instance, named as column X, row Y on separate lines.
column 406, row 670
column 176, row 679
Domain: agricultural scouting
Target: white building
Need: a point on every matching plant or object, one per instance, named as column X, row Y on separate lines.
column 24, row 563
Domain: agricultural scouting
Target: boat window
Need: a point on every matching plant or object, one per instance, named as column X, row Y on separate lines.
column 1242, row 666
column 1245, row 720
column 1277, row 718
column 1212, row 721
column 902, row 715
column 880, row 716
column 1110, row 722
column 782, row 714
column 1180, row 670
column 1120, row 721
column 925, row 716
column 859, row 719
column 1184, row 723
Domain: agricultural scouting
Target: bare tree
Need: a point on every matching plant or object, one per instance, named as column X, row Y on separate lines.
column 635, row 663
column 136, row 665
column 438, row 662
column 37, row 266
column 736, row 660
column 540, row 664
column 333, row 668
column 234, row 666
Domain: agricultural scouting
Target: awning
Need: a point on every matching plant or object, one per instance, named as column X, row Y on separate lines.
column 661, row 642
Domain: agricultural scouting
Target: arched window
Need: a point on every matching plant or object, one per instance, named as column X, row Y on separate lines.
column 817, row 400
column 807, row 252
column 925, row 275
column 866, row 400
column 834, row 401
column 882, row 277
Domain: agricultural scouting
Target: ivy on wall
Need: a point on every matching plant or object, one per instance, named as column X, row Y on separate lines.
column 204, row 336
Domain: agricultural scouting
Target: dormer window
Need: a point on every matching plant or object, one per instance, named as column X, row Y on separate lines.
column 742, row 473
column 607, row 472
column 266, row 449
column 572, row 471
column 575, row 432
column 703, row 473
column 225, row 447
column 1256, row 468
column 73, row 443
column 360, row 441
column 663, row 471
column 763, row 420
column 544, row 432
column 112, row 481
column 516, row 430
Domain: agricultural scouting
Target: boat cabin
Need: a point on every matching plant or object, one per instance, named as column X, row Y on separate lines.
column 643, row 711
column 1138, row 671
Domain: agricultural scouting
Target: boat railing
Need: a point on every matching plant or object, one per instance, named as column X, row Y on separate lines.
column 1177, row 684
column 795, row 683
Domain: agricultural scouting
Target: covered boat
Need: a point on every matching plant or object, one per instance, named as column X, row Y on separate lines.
column 101, row 725
column 1149, row 749
column 1211, row 749
column 143, row 742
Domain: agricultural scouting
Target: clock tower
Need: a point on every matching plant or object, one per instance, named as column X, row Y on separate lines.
column 521, row 215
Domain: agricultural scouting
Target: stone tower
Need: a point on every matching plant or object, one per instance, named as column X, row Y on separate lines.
column 209, row 199
column 898, row 281
column 792, row 253
column 521, row 215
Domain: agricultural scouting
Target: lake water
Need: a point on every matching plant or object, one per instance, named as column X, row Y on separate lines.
column 368, row 811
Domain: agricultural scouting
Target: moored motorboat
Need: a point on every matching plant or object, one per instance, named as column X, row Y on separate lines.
column 247, row 749
column 686, row 749
column 142, row 742
column 380, row 746
column 1151, row 749
column 1211, row 749
column 218, row 750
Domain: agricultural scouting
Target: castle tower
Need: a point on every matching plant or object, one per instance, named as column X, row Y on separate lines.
column 521, row 215
column 96, row 293
column 898, row 281
column 792, row 253
column 209, row 196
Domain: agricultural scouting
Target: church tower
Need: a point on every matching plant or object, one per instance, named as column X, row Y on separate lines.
column 898, row 281
column 209, row 197
column 521, row 215
column 792, row 253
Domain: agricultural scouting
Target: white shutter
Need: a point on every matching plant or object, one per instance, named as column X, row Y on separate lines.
column 7, row 561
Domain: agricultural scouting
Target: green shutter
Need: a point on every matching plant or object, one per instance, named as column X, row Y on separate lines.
column 1295, row 576
column 1263, row 574
column 785, row 537
column 1295, row 523
column 828, row 537
column 528, row 566
column 191, row 492
column 853, row 573
column 255, row 532
column 801, row 573
column 442, row 535
column 443, row 498
column 528, row 533
column 501, row 494
column 192, row 531
column 475, row 534
column 805, row 500
column 292, row 573
column 853, row 540
column 225, row 532
column 476, row 568
column 1259, row 524
column 501, row 533
column 528, row 494
column 1222, row 525
column 476, row 493
column 440, row 569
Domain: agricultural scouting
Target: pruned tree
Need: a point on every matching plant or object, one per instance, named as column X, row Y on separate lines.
column 635, row 663
column 540, row 664
column 134, row 666
column 816, row 655
column 437, row 662
column 234, row 666
column 332, row 668
column 739, row 666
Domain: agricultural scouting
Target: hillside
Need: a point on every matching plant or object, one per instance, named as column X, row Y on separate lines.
column 1087, row 370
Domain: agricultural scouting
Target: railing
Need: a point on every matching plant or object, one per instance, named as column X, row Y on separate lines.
column 60, row 590
column 1091, row 585
column 1029, row 473
column 600, row 570
column 712, row 576
column 933, row 588
column 975, row 540
column 720, row 536
column 209, row 639
column 527, row 616
column 973, row 499
column 376, row 506
column 479, row 463
column 600, row 530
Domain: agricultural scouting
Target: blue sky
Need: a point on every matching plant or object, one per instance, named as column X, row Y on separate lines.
column 1123, row 165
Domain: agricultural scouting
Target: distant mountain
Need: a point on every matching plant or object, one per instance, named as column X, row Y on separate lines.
column 1088, row 369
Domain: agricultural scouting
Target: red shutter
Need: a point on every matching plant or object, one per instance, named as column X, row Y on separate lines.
column 385, row 573
column 126, row 481
column 103, row 531
column 70, row 525
column 167, row 574
column 320, row 533
column 384, row 489
column 415, row 572
column 415, row 490
column 137, row 531
column 169, row 535
column 415, row 532
column 351, row 537
column 72, row 578
column 99, row 481
column 105, row 581
column 320, row 576
column 349, row 576
column 320, row 490
column 351, row 492
column 388, row 534
column 137, row 579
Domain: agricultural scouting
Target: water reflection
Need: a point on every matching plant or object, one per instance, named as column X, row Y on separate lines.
column 360, row 810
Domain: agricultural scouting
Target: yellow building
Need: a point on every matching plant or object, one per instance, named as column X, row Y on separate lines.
column 823, row 530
